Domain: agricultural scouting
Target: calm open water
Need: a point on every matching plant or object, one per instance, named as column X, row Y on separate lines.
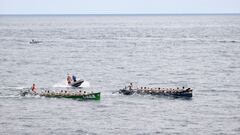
column 197, row 51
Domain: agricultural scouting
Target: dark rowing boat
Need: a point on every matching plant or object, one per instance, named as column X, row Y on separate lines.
column 157, row 91
column 35, row 42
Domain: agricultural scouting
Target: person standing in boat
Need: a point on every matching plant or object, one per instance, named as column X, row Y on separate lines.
column 33, row 88
column 74, row 78
column 69, row 79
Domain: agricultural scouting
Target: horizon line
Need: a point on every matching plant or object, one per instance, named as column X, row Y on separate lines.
column 103, row 14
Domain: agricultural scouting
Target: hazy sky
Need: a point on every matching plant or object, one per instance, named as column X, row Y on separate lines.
column 118, row 6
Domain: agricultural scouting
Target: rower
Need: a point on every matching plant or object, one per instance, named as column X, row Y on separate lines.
column 130, row 86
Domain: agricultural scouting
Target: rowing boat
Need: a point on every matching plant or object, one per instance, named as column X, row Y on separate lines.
column 35, row 42
column 89, row 96
column 157, row 91
column 74, row 95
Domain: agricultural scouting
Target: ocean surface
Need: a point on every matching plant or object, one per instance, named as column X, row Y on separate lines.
column 108, row 52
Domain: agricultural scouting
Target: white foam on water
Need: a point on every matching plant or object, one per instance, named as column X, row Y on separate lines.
column 61, row 83
column 22, row 87
column 85, row 84
column 9, row 96
column 15, row 87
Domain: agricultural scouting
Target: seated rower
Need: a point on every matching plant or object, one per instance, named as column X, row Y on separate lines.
column 48, row 93
column 42, row 93
column 45, row 92
column 79, row 92
column 52, row 93
column 130, row 86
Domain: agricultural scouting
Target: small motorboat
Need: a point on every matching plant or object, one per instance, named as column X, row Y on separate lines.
column 66, row 94
column 35, row 42
column 177, row 92
column 77, row 83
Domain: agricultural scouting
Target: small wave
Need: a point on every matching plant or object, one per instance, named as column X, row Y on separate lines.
column 3, row 59
column 58, row 85
column 27, row 96
column 21, row 87
column 61, row 84
column 9, row 96
column 14, row 87
column 85, row 84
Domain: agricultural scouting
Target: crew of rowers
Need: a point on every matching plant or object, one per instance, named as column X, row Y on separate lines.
column 63, row 93
column 156, row 90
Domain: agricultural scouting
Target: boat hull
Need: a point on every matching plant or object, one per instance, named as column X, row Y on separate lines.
column 180, row 93
column 91, row 96
column 35, row 42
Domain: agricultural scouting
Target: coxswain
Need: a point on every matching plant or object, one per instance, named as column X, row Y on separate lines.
column 33, row 88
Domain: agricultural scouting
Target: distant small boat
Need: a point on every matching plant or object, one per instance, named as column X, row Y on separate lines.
column 77, row 83
column 35, row 42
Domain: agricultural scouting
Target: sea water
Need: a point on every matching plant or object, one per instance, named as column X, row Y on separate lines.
column 109, row 51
